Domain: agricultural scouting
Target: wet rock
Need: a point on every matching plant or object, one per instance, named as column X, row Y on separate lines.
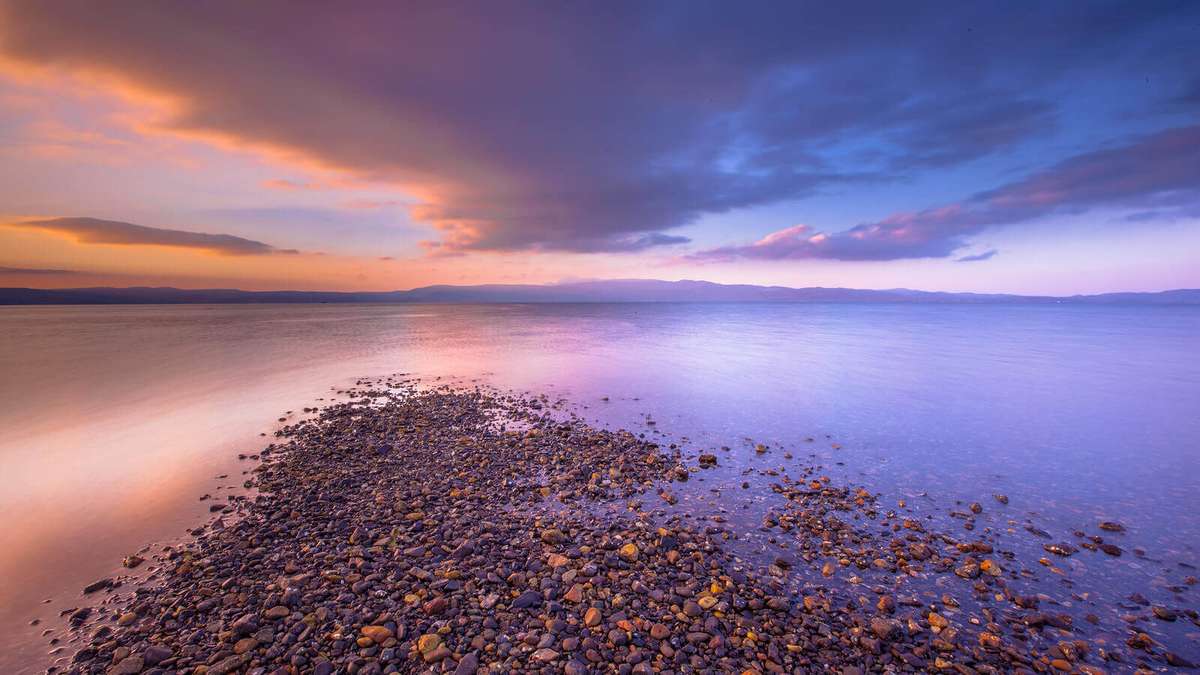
column 885, row 629
column 100, row 585
column 1176, row 661
column 1164, row 613
column 80, row 615
column 1060, row 549
column 968, row 570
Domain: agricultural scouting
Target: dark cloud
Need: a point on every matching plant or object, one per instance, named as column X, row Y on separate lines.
column 979, row 257
column 1161, row 169
column 96, row 231
column 34, row 271
column 598, row 126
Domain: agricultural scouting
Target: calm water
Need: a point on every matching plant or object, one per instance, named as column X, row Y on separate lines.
column 116, row 419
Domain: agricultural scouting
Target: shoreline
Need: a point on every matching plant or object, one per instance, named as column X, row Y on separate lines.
column 416, row 532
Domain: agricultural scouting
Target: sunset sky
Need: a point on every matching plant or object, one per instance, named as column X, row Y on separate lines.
column 1025, row 147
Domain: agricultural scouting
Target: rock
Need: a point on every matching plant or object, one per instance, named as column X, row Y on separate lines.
column 937, row 621
column 1003, row 499
column 229, row 665
column 428, row 643
column 574, row 594
column 1110, row 526
column 990, row 568
column 707, row 602
column 130, row 665
column 378, row 634
column 990, row 641
column 884, row 629
column 544, row 655
column 244, row 645
column 659, row 632
column 97, row 586
column 1176, row 661
column 468, row 665
column 553, row 536
column 628, row 552
column 1111, row 549
column 1060, row 549
column 132, row 561
column 277, row 612
column 156, row 654
column 1164, row 613
column 591, row 617
column 527, row 600
column 245, row 625
column 707, row 461
column 442, row 652
column 692, row 609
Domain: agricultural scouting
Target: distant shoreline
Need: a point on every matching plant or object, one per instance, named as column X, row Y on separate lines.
column 626, row 291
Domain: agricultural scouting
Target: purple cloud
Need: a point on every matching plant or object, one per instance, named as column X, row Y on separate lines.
column 1161, row 169
column 597, row 127
column 979, row 257
column 97, row 231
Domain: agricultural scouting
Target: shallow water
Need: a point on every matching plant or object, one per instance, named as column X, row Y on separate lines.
column 116, row 419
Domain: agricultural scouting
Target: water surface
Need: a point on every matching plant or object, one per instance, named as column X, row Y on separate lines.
column 116, row 419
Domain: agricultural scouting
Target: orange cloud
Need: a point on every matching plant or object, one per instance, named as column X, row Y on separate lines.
column 112, row 232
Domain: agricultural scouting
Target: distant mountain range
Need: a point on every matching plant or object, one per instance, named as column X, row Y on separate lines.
column 622, row 290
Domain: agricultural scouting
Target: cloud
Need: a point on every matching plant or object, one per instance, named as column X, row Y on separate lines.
column 979, row 257
column 96, row 231
column 585, row 127
column 35, row 271
column 292, row 185
column 1158, row 170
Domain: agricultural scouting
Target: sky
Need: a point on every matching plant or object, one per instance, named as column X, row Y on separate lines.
column 994, row 147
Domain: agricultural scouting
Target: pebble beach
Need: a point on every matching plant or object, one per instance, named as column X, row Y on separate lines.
column 415, row 528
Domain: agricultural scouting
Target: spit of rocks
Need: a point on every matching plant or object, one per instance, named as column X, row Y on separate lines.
column 458, row 531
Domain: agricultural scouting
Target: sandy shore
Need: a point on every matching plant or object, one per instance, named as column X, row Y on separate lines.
column 452, row 530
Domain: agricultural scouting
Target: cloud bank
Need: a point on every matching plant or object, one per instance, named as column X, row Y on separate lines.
column 34, row 271
column 113, row 232
column 601, row 127
column 1159, row 170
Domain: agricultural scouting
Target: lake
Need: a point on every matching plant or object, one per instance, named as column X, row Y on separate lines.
column 117, row 419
